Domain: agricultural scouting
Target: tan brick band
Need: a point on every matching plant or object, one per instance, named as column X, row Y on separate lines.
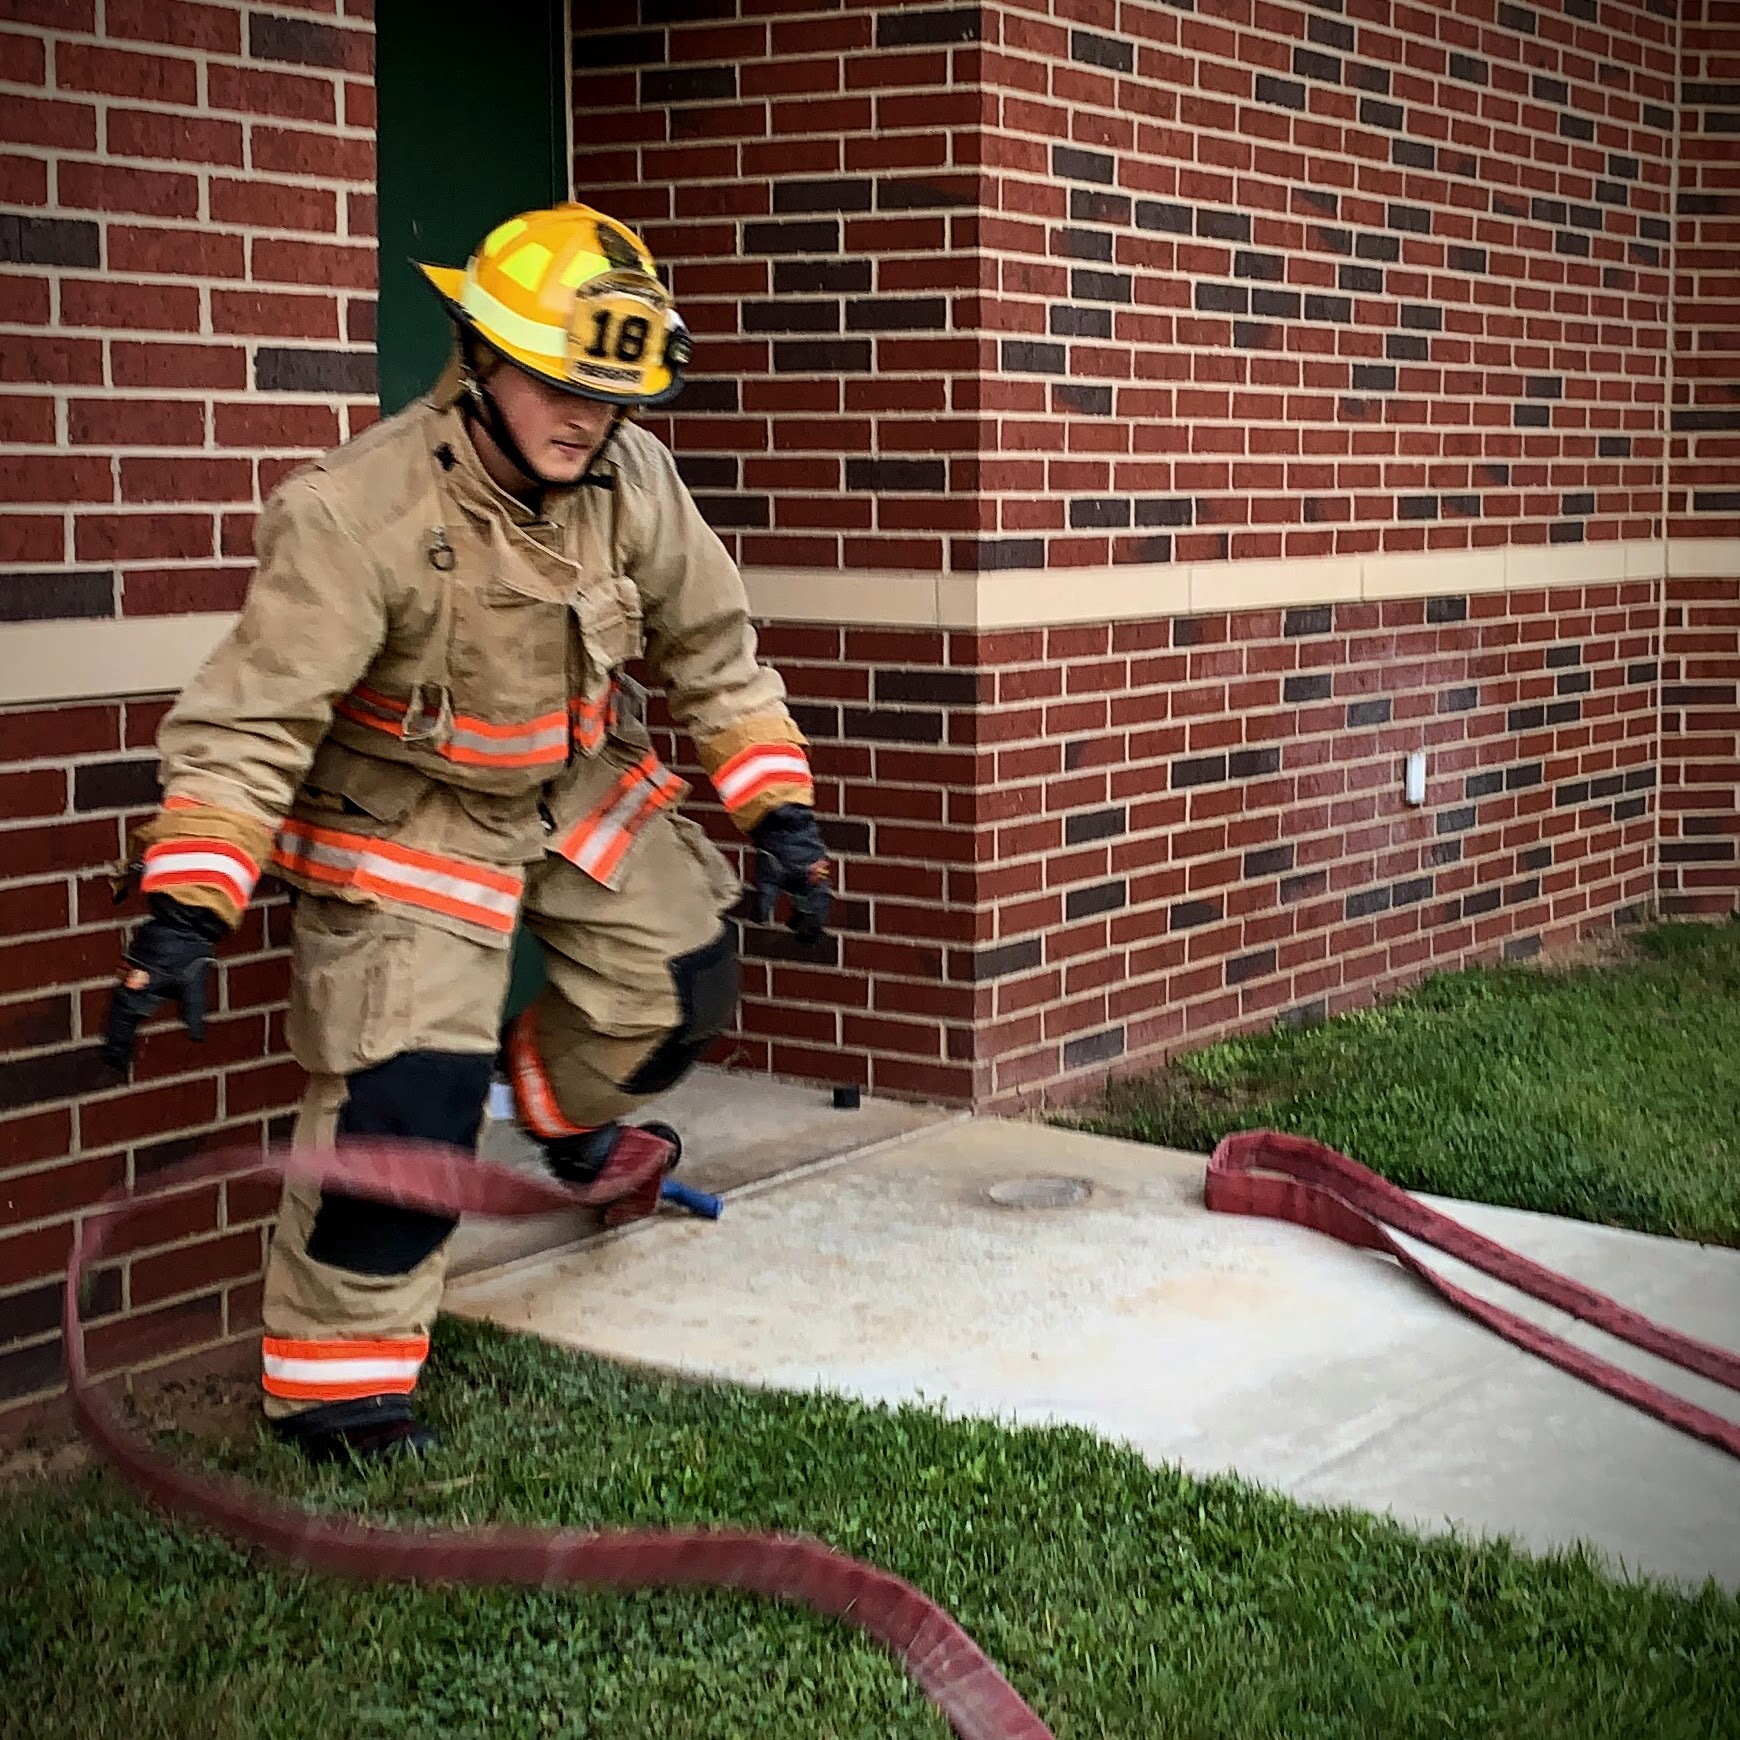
column 63, row 661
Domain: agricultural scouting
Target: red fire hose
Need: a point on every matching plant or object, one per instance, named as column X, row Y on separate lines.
column 1259, row 1173
column 1292, row 1178
column 952, row 1671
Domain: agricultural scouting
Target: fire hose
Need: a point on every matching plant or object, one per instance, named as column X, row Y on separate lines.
column 1259, row 1173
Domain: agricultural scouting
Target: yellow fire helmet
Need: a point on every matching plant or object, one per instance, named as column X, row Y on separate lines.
column 573, row 297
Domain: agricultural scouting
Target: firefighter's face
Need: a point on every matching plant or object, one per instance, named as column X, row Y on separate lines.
column 558, row 432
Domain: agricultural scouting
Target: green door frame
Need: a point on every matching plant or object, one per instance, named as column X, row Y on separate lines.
column 472, row 125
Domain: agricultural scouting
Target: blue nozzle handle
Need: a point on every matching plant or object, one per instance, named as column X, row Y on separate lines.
column 695, row 1201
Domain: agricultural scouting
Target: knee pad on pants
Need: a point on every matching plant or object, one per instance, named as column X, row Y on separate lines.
column 706, row 982
column 431, row 1096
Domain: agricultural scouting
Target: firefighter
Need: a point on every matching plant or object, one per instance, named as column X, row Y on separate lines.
column 422, row 724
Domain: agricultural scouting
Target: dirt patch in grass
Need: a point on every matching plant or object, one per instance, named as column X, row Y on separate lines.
column 199, row 1413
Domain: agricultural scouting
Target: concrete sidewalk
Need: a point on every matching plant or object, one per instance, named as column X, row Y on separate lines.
column 1225, row 1344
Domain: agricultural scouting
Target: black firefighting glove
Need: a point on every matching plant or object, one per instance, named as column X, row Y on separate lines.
column 169, row 960
column 790, row 858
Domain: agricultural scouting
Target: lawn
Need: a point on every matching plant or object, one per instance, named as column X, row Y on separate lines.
column 1607, row 1092
column 1121, row 1599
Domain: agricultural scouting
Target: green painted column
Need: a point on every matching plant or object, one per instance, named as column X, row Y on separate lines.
column 472, row 126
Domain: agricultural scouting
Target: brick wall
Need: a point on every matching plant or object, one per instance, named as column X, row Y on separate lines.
column 1242, row 281
column 187, row 264
column 70, row 779
column 186, row 311
column 812, row 180
column 1700, row 850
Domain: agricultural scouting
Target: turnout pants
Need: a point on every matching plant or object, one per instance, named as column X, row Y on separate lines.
column 398, row 1023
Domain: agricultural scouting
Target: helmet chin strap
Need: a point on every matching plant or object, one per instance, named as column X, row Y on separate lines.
column 482, row 404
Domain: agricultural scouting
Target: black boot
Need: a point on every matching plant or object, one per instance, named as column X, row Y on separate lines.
column 371, row 1428
column 582, row 1159
column 587, row 1159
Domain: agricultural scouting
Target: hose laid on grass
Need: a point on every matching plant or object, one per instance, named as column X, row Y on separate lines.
column 952, row 1671
column 1262, row 1172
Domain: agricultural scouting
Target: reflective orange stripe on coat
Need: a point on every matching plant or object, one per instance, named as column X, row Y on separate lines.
column 758, row 769
column 340, row 1371
column 588, row 719
column 195, row 863
column 451, row 886
column 600, row 841
column 472, row 742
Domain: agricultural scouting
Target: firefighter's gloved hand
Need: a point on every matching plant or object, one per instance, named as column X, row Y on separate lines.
column 790, row 858
column 169, row 960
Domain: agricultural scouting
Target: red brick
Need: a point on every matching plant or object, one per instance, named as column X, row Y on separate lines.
column 183, row 1215
column 123, row 187
column 133, row 537
column 269, row 1087
column 27, row 422
column 33, row 908
column 58, row 477
column 359, row 105
column 44, row 121
column 41, row 733
column 287, row 151
column 326, row 264
column 65, row 846
column 54, row 1190
column 115, row 72
column 273, row 205
column 135, row 307
column 23, row 180
column 206, row 1264
column 24, row 301
column 289, row 96
column 176, row 253
column 117, row 422
column 182, row 25
column 185, row 479
column 177, row 591
column 255, row 424
column 136, row 1339
column 24, row 57
column 36, row 1025
column 30, row 1256
column 258, row 313
column 178, row 365
column 40, row 792
column 182, row 138
column 43, row 360
column 150, row 1112
column 35, row 1136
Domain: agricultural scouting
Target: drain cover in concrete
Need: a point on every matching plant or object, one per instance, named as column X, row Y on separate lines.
column 1040, row 1192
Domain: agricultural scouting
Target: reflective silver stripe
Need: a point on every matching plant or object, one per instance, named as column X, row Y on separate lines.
column 760, row 765
column 214, row 863
column 553, row 737
column 613, row 823
column 340, row 1372
column 460, row 889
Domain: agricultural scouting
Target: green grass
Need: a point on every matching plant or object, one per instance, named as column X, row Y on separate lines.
column 1608, row 1093
column 1121, row 1599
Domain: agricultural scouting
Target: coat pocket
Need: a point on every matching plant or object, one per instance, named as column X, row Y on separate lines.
column 724, row 887
column 352, row 985
column 612, row 629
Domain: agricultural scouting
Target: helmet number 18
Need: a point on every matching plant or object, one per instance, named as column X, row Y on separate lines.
column 631, row 336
